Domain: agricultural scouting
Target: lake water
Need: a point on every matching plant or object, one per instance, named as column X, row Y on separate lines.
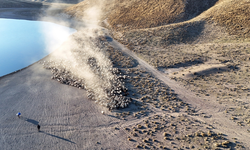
column 24, row 42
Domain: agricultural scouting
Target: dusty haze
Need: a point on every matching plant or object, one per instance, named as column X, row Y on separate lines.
column 83, row 55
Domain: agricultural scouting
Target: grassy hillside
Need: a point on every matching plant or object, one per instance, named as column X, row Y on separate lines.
column 138, row 14
column 147, row 14
column 225, row 21
column 141, row 14
column 234, row 15
column 151, row 29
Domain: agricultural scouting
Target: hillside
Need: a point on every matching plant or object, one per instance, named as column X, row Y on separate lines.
column 225, row 21
column 148, row 14
column 202, row 46
column 138, row 14
column 234, row 15
column 178, row 70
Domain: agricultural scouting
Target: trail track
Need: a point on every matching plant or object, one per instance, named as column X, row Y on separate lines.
column 70, row 121
column 210, row 107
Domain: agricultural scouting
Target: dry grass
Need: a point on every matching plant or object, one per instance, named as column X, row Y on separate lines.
column 147, row 14
column 164, row 23
column 180, row 132
column 161, row 33
column 169, row 57
column 234, row 15
column 141, row 14
column 230, row 17
column 150, row 92
column 138, row 14
column 229, row 86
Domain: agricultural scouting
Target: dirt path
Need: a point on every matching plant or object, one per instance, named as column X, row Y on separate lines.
column 69, row 120
column 212, row 111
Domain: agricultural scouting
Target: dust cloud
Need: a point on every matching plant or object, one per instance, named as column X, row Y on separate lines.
column 82, row 60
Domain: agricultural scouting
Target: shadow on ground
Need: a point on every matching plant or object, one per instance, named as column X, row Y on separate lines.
column 58, row 137
column 30, row 120
column 210, row 71
column 185, row 64
column 34, row 122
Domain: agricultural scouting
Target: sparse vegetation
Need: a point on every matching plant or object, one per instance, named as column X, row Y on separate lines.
column 203, row 46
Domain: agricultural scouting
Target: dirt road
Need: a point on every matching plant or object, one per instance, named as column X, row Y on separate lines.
column 214, row 112
column 69, row 120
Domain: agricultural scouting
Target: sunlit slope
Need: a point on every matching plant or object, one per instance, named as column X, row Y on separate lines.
column 171, row 21
column 138, row 14
column 234, row 15
column 225, row 20
column 147, row 14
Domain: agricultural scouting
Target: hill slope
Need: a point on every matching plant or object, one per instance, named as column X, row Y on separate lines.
column 234, row 15
column 203, row 46
column 147, row 14
column 138, row 14
column 141, row 14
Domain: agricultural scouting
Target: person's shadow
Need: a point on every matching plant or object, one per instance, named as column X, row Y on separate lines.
column 36, row 123
column 58, row 137
column 30, row 120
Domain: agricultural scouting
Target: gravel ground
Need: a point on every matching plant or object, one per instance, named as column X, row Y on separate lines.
column 68, row 119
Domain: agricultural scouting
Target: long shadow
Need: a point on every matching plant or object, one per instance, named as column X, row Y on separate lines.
column 57, row 137
column 36, row 123
column 112, row 116
column 214, row 70
column 185, row 64
column 30, row 120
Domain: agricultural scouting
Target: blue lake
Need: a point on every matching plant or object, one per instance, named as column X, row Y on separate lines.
column 24, row 42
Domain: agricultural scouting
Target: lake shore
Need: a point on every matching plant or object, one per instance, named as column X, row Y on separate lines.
column 67, row 118
column 164, row 114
